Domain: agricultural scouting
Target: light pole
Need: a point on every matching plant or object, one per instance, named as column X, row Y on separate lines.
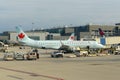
column 33, row 27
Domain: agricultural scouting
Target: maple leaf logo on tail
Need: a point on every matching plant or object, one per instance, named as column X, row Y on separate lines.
column 72, row 37
column 21, row 35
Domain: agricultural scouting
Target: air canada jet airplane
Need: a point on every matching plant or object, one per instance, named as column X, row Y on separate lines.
column 55, row 44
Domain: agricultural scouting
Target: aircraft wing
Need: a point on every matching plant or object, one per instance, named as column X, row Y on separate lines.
column 65, row 47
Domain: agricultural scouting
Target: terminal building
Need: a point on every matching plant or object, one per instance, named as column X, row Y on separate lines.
column 89, row 30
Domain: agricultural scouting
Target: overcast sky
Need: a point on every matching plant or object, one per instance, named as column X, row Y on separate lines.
column 51, row 13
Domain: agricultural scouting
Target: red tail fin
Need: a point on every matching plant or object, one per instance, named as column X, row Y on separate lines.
column 101, row 32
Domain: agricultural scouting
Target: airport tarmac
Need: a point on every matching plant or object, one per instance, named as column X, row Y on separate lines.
column 47, row 68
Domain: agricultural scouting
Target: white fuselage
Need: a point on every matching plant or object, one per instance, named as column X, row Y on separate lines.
column 56, row 44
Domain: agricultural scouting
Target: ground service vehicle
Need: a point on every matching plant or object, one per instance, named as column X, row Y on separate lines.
column 31, row 56
column 19, row 56
column 117, row 52
column 57, row 54
column 8, row 56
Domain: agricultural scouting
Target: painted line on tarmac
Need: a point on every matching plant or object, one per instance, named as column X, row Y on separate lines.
column 15, row 77
column 32, row 74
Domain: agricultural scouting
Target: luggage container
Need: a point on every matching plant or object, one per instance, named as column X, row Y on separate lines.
column 81, row 53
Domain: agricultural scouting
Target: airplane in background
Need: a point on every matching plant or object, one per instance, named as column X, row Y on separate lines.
column 102, row 38
column 72, row 37
column 55, row 44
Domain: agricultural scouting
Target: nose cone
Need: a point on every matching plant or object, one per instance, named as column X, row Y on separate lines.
column 101, row 46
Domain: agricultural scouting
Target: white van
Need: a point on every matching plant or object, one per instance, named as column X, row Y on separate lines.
column 8, row 56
